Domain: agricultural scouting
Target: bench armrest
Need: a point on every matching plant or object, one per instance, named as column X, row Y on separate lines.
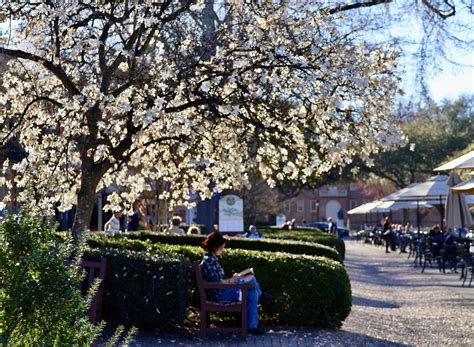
column 211, row 285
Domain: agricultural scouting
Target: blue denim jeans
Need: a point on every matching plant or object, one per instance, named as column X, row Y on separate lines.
column 231, row 294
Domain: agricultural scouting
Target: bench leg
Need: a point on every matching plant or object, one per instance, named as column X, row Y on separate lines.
column 204, row 323
column 243, row 332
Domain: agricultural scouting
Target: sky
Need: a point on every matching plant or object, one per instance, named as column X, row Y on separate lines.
column 453, row 82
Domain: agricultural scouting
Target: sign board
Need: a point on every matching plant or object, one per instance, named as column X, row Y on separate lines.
column 231, row 214
column 280, row 220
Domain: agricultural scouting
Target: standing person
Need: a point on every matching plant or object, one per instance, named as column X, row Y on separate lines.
column 387, row 225
column 175, row 223
column 253, row 233
column 137, row 220
column 332, row 226
column 213, row 272
column 113, row 225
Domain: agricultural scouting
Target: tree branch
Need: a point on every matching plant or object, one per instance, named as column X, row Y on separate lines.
column 342, row 8
column 55, row 69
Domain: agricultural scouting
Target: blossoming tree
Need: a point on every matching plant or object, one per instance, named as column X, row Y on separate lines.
column 120, row 92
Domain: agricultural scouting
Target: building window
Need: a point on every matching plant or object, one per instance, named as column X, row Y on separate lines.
column 314, row 205
column 286, row 206
column 300, row 206
column 353, row 204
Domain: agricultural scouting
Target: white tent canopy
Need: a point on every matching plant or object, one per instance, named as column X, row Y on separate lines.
column 387, row 206
column 433, row 190
column 401, row 205
column 465, row 161
column 366, row 208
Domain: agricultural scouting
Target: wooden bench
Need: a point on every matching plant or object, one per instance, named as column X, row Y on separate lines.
column 208, row 307
column 93, row 269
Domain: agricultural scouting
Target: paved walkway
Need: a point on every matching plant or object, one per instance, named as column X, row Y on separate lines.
column 393, row 305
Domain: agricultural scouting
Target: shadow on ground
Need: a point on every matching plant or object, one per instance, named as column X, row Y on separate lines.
column 356, row 300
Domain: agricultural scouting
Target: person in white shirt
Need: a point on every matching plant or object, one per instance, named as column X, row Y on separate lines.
column 113, row 225
column 175, row 229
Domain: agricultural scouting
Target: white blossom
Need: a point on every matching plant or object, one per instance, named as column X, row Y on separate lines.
column 287, row 96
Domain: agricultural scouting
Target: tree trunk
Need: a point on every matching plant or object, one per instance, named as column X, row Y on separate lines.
column 85, row 203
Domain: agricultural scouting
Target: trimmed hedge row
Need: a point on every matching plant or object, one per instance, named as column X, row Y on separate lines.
column 271, row 245
column 308, row 235
column 307, row 290
column 145, row 290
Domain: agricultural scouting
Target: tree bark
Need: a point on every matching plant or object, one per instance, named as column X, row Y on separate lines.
column 85, row 202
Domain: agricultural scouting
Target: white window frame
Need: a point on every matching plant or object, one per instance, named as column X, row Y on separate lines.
column 300, row 206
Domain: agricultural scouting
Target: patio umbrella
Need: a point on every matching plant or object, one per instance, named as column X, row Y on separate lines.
column 457, row 212
column 465, row 161
column 464, row 187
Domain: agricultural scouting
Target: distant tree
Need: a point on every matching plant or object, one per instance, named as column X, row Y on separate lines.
column 260, row 200
column 434, row 134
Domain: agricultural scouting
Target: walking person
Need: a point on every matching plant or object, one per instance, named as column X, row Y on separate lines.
column 387, row 228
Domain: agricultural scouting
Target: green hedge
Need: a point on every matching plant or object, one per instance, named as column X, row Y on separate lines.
column 271, row 245
column 307, row 290
column 144, row 290
column 308, row 235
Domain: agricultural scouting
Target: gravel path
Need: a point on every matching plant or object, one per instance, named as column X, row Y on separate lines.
column 393, row 305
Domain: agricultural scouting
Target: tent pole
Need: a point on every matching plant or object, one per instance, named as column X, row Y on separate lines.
column 418, row 214
column 441, row 212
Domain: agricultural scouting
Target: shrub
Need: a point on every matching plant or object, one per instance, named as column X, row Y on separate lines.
column 308, row 235
column 271, row 245
column 307, row 290
column 145, row 290
column 39, row 300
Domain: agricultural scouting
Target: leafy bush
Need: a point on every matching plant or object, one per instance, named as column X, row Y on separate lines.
column 142, row 289
column 39, row 300
column 271, row 245
column 308, row 235
column 307, row 290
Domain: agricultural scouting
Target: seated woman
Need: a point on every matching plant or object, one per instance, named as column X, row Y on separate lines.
column 436, row 240
column 212, row 272
column 253, row 233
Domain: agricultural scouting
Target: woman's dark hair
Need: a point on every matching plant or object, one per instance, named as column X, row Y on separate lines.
column 213, row 241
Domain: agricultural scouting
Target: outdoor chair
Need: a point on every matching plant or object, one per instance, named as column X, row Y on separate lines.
column 466, row 261
column 208, row 307
column 411, row 247
column 93, row 269
column 419, row 250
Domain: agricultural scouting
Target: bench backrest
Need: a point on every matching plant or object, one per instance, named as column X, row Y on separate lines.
column 199, row 281
column 93, row 269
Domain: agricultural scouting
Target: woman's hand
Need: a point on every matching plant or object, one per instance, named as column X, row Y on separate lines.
column 236, row 277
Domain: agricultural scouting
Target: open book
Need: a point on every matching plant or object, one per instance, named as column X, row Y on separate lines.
column 245, row 272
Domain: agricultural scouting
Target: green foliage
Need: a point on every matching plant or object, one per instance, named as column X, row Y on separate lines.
column 272, row 245
column 436, row 132
column 307, row 235
column 39, row 300
column 307, row 290
column 146, row 290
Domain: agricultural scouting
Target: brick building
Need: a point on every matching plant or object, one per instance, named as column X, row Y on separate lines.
column 334, row 201
column 320, row 204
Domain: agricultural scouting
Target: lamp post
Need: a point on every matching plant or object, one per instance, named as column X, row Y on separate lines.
column 317, row 210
